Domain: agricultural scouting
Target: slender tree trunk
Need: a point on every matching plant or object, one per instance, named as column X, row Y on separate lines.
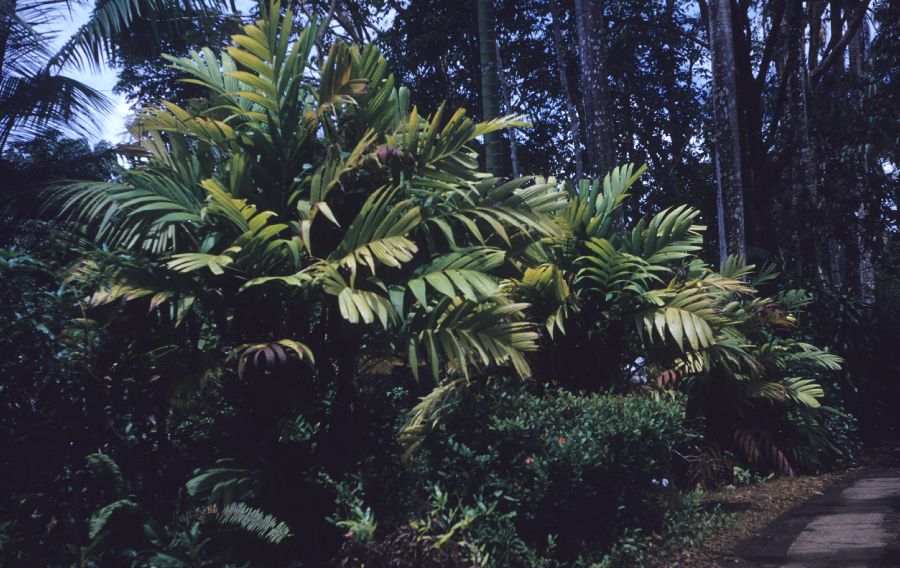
column 816, row 9
column 677, row 133
column 837, row 27
column 857, row 52
column 507, row 108
column 863, row 222
column 574, row 125
column 753, row 154
column 591, row 25
column 727, row 137
column 487, row 41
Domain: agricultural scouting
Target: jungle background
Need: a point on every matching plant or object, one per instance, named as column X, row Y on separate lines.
column 432, row 283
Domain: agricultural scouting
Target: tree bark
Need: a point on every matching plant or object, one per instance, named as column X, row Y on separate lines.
column 487, row 41
column 591, row 25
column 757, row 195
column 836, row 28
column 816, row 9
column 835, row 56
column 804, row 191
column 863, row 222
column 507, row 108
column 574, row 124
column 727, row 137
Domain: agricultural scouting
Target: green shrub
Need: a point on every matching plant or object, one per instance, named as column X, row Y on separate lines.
column 823, row 440
column 576, row 471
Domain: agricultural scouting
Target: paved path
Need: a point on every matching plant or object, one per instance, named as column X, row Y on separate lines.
column 853, row 525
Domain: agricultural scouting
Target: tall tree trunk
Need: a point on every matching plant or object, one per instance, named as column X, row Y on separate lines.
column 804, row 192
column 678, row 134
column 591, row 25
column 507, row 108
column 756, row 195
column 729, row 179
column 487, row 42
column 816, row 9
column 574, row 125
column 863, row 222
column 837, row 27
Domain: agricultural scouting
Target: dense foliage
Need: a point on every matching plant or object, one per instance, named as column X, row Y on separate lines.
column 298, row 324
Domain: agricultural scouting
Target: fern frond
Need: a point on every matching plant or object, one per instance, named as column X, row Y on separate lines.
column 110, row 515
column 256, row 521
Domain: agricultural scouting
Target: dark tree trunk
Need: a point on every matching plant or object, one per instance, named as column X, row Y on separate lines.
column 757, row 196
column 804, row 191
column 863, row 221
column 816, row 9
column 487, row 42
column 574, row 125
column 837, row 26
column 507, row 108
column 677, row 132
column 591, row 25
column 727, row 133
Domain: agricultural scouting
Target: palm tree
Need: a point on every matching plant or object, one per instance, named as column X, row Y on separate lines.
column 728, row 155
column 318, row 220
column 490, row 89
column 619, row 305
column 34, row 94
column 592, row 34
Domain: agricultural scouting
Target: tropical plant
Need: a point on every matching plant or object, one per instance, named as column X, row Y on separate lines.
column 635, row 306
column 305, row 229
column 329, row 190
column 35, row 94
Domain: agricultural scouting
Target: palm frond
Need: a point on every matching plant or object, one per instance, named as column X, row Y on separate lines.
column 461, row 272
column 464, row 333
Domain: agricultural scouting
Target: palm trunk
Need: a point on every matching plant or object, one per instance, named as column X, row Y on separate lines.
column 574, row 125
column 591, row 24
column 507, row 108
column 487, row 41
column 727, row 137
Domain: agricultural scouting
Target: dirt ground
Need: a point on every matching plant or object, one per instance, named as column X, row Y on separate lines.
column 745, row 511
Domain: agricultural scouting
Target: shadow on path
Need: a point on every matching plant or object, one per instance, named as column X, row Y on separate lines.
column 853, row 524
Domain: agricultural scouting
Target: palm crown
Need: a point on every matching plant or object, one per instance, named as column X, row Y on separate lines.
column 318, row 192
